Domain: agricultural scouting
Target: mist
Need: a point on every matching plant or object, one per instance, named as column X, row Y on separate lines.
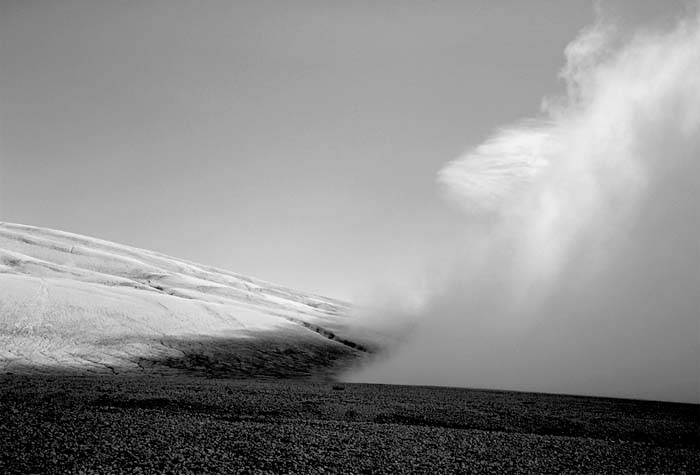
column 580, row 268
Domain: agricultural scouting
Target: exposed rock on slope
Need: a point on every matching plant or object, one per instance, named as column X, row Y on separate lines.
column 74, row 303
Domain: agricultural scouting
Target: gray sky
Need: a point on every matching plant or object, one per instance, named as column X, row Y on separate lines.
column 294, row 141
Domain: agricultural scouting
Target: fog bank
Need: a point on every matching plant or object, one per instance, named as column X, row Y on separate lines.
column 580, row 272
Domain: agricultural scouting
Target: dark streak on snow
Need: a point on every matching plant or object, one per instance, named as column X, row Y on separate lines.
column 329, row 335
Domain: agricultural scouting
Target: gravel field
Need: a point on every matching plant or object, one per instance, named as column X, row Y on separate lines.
column 102, row 425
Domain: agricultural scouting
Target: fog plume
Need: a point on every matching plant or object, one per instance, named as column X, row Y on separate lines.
column 580, row 272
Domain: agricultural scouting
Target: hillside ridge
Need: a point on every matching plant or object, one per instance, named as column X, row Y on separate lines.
column 69, row 301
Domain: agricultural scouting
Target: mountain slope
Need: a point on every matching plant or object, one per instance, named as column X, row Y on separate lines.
column 75, row 303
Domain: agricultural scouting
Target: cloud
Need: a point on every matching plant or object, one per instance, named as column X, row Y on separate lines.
column 582, row 267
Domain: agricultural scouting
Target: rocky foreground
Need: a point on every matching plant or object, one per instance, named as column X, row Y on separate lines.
column 102, row 425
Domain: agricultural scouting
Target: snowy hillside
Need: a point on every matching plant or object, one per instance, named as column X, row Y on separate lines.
column 74, row 303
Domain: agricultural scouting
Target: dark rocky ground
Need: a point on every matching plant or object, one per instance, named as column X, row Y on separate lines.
column 73, row 424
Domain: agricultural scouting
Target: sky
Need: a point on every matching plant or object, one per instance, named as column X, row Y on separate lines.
column 298, row 142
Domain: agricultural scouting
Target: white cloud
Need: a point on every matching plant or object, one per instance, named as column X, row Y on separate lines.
column 585, row 251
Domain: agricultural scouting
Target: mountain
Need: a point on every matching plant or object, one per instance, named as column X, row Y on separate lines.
column 71, row 303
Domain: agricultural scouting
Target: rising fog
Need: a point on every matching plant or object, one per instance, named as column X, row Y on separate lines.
column 580, row 272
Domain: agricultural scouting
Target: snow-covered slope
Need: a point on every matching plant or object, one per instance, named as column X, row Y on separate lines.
column 70, row 302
